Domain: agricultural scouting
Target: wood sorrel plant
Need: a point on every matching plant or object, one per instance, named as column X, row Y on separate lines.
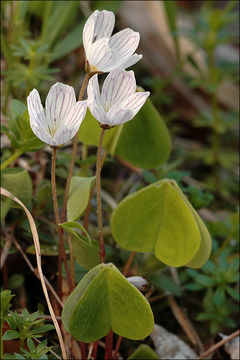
column 157, row 218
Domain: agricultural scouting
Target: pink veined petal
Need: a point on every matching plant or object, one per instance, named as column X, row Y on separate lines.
column 64, row 134
column 100, row 55
column 104, row 24
column 59, row 101
column 43, row 135
column 76, row 115
column 117, row 115
column 125, row 42
column 127, row 109
column 129, row 62
column 98, row 112
column 36, row 110
column 88, row 32
column 93, row 91
column 135, row 101
column 118, row 85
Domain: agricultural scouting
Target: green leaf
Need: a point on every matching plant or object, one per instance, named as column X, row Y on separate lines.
column 79, row 194
column 19, row 124
column 233, row 293
column 61, row 14
column 46, row 250
column 204, row 280
column 219, row 296
column 72, row 41
column 105, row 300
column 193, row 287
column 15, row 281
column 6, row 298
column 143, row 352
column 85, row 250
column 11, row 334
column 42, row 329
column 112, row 5
column 205, row 248
column 30, row 344
column 156, row 218
column 171, row 12
column 164, row 282
column 145, row 141
column 19, row 183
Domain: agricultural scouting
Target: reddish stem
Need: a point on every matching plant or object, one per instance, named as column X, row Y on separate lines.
column 83, row 351
column 62, row 254
column 99, row 204
column 95, row 350
column 108, row 346
column 119, row 339
column 125, row 272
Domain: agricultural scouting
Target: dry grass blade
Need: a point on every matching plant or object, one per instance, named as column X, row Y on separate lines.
column 6, row 193
column 218, row 345
column 6, row 249
column 185, row 323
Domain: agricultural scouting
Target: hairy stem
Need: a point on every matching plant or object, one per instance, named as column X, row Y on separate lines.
column 99, row 204
column 61, row 250
column 74, row 152
column 13, row 157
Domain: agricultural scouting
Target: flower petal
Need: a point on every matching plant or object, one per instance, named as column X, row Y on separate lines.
column 125, row 42
column 127, row 109
column 118, row 115
column 100, row 56
column 129, row 62
column 93, row 91
column 36, row 110
column 64, row 134
column 88, row 32
column 59, row 101
column 76, row 115
column 118, row 85
column 104, row 24
column 135, row 101
column 43, row 135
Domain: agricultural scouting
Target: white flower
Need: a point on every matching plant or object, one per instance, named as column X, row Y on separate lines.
column 103, row 52
column 62, row 117
column 119, row 102
column 138, row 281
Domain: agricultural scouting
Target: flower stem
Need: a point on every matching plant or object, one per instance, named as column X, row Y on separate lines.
column 99, row 204
column 13, row 157
column 108, row 346
column 125, row 272
column 62, row 254
column 74, row 152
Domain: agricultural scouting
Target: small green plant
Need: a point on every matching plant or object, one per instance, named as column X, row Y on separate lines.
column 218, row 282
column 25, row 327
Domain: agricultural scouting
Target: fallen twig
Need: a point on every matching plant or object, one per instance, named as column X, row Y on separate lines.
column 218, row 345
